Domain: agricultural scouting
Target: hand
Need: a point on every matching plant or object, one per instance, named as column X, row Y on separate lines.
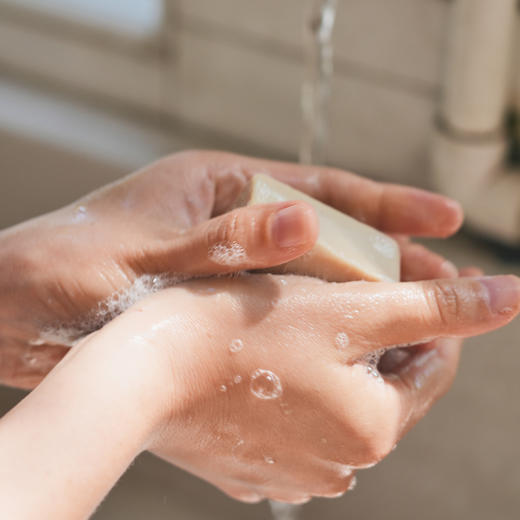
column 266, row 390
column 60, row 272
column 288, row 413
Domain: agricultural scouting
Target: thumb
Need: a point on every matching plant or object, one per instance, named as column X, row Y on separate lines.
column 417, row 312
column 252, row 237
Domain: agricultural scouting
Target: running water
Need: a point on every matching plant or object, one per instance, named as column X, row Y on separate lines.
column 318, row 26
column 282, row 511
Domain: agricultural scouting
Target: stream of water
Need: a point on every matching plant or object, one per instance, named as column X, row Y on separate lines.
column 318, row 25
column 317, row 34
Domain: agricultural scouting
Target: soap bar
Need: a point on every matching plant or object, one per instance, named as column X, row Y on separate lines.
column 346, row 249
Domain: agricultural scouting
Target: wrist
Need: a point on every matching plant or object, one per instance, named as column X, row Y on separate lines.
column 126, row 375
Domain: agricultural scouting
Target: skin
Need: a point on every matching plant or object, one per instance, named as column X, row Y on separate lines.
column 151, row 380
column 164, row 219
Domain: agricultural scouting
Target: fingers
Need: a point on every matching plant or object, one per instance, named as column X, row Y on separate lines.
column 419, row 263
column 389, row 207
column 466, row 272
column 416, row 312
column 424, row 379
column 252, row 237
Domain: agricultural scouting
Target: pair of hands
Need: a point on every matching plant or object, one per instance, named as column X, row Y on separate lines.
column 291, row 412
column 59, row 267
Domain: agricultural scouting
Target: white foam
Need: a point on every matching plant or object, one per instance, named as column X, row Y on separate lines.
column 227, row 254
column 68, row 334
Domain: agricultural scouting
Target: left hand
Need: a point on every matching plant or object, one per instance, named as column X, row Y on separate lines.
column 58, row 269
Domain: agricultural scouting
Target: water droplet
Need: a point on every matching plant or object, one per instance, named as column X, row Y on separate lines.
column 237, row 379
column 265, row 384
column 323, row 440
column 236, row 345
column 223, row 388
column 342, row 341
column 283, row 281
column 353, row 483
column 269, row 460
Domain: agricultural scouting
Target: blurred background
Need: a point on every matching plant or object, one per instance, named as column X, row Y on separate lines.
column 424, row 92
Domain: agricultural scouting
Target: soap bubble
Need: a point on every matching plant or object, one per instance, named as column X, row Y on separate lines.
column 265, row 384
column 236, row 345
column 227, row 254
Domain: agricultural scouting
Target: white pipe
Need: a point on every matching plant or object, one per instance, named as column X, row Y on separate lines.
column 477, row 64
column 469, row 144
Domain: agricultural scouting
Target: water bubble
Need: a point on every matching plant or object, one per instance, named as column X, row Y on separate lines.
column 265, row 384
column 223, row 388
column 353, row 483
column 236, row 345
column 237, row 379
column 269, row 460
column 342, row 341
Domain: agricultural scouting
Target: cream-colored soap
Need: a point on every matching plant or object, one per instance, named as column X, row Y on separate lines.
column 346, row 249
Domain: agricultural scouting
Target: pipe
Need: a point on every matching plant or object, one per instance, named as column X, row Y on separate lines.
column 469, row 144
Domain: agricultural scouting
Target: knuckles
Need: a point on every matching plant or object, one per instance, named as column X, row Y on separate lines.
column 373, row 430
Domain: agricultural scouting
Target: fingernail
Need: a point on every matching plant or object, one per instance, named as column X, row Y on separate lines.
column 503, row 291
column 290, row 226
column 449, row 270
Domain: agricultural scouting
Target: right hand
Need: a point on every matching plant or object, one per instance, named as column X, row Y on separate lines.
column 322, row 414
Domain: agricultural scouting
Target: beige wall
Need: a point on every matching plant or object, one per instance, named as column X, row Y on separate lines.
column 232, row 69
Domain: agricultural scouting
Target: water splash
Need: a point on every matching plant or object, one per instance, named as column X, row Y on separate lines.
column 315, row 94
column 283, row 511
column 317, row 28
